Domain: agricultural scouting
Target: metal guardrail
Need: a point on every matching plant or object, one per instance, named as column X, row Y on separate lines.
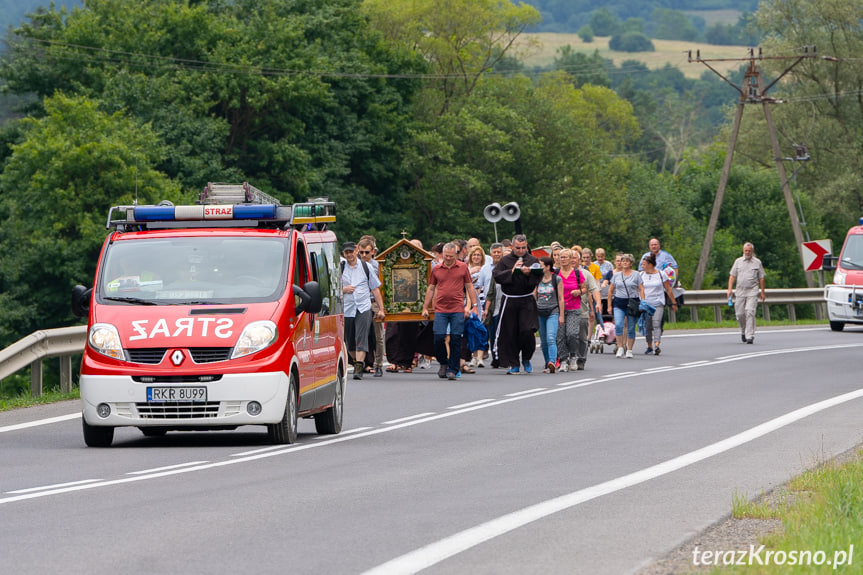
column 62, row 342
column 65, row 342
column 718, row 299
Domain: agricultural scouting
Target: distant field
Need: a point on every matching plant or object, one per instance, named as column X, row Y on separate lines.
column 667, row 51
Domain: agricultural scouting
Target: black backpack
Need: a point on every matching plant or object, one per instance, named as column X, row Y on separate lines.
column 365, row 269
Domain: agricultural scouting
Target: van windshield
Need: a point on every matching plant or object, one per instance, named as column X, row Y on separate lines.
column 852, row 253
column 199, row 270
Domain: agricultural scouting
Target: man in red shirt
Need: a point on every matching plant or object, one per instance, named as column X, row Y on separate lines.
column 449, row 284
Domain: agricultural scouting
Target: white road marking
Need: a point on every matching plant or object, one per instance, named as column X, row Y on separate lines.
column 681, row 333
column 55, row 486
column 408, row 418
column 621, row 374
column 282, row 449
column 691, row 363
column 576, row 381
column 470, row 404
column 158, row 469
column 343, row 432
column 39, row 422
column 261, row 450
column 434, row 553
column 525, row 392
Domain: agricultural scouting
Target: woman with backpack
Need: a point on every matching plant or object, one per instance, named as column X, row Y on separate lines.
column 549, row 304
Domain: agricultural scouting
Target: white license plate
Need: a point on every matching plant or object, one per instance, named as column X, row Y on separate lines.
column 185, row 393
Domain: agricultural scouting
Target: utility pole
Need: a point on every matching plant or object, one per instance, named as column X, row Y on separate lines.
column 753, row 91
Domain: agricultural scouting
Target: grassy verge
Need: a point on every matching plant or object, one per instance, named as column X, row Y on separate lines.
column 822, row 517
column 26, row 400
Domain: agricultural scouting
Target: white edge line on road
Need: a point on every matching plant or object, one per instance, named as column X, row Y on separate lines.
column 470, row 404
column 158, row 469
column 621, row 374
column 40, row 422
column 32, row 489
column 434, row 553
column 408, row 418
column 282, row 449
column 691, row 363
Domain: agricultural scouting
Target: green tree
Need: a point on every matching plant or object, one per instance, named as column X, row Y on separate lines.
column 604, row 22
column 60, row 180
column 584, row 69
column 550, row 147
column 820, row 106
column 461, row 39
column 631, row 42
column 672, row 25
column 294, row 97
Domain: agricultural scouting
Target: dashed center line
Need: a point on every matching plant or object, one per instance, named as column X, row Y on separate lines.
column 470, row 404
column 408, row 418
column 525, row 392
column 158, row 469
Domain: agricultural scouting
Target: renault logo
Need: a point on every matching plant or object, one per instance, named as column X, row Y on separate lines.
column 177, row 357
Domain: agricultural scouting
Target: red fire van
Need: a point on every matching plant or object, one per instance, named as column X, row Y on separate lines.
column 215, row 315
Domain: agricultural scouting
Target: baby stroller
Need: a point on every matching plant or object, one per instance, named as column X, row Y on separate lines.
column 603, row 335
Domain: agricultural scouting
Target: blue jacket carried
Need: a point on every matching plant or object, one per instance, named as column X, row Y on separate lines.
column 476, row 334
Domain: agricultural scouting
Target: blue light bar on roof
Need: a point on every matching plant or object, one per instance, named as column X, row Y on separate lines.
column 207, row 212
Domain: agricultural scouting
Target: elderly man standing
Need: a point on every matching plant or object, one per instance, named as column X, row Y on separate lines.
column 749, row 272
column 449, row 287
column 518, row 273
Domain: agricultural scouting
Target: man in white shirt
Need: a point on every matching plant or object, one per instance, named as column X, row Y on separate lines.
column 359, row 283
column 749, row 273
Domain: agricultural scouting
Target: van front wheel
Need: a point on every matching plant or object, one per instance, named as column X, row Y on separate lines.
column 837, row 325
column 285, row 431
column 97, row 435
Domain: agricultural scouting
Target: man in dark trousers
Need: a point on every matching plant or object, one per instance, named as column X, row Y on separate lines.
column 518, row 273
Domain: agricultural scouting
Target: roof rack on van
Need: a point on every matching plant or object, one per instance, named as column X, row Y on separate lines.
column 226, row 205
column 245, row 193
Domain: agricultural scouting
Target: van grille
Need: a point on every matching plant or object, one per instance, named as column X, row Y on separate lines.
column 155, row 355
column 178, row 410
column 210, row 354
column 151, row 355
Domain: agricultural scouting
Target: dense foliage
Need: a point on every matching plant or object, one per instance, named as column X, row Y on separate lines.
column 412, row 116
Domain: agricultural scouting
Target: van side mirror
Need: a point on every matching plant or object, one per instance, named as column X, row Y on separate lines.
column 317, row 298
column 828, row 263
column 307, row 298
column 81, row 301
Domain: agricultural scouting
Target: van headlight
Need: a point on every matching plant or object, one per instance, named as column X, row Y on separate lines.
column 839, row 278
column 255, row 337
column 105, row 339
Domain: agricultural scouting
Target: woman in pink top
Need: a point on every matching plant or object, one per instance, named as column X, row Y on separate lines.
column 573, row 288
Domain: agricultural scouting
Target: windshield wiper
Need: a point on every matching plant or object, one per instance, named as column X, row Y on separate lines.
column 848, row 264
column 134, row 300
